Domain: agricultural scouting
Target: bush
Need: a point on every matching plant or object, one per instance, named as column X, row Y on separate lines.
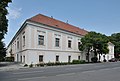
column 76, row 62
column 82, row 62
column 94, row 59
column 42, row 64
column 37, row 65
column 58, row 63
column 9, row 59
column 25, row 65
column 64, row 63
column 50, row 64
column 31, row 65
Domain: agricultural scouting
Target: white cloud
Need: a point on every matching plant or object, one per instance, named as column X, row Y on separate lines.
column 14, row 13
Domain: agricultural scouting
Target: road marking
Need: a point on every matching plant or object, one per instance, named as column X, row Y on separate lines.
column 68, row 74
column 28, row 72
column 32, row 78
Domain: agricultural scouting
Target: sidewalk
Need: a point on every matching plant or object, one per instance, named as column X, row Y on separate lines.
column 7, row 66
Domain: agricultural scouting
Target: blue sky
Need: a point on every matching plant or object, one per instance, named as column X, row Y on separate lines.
column 93, row 15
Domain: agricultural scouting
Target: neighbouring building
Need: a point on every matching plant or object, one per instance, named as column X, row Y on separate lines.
column 45, row 39
column 110, row 55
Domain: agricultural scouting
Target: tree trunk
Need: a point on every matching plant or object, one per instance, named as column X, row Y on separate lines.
column 95, row 53
column 99, row 57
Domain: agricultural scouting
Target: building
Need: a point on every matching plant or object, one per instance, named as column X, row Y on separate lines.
column 45, row 39
column 110, row 55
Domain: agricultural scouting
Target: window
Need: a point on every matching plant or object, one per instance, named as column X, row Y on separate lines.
column 57, row 58
column 40, row 40
column 40, row 58
column 79, row 45
column 24, row 59
column 69, row 58
column 21, row 58
column 57, row 40
column 69, row 43
column 23, row 40
column 78, row 57
column 17, row 44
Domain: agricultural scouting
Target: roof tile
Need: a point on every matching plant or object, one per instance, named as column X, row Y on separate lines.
column 58, row 24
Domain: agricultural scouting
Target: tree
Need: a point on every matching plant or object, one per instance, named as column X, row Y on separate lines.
column 3, row 25
column 115, row 39
column 95, row 42
column 2, row 51
column 86, row 45
column 100, row 44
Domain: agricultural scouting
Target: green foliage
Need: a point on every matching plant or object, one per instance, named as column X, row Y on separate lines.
column 2, row 51
column 50, row 64
column 9, row 59
column 94, row 59
column 31, row 65
column 78, row 62
column 56, row 63
column 3, row 26
column 25, row 65
column 3, row 19
column 115, row 39
column 96, row 42
column 82, row 61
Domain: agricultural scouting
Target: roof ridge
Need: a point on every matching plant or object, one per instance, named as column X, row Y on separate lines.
column 57, row 20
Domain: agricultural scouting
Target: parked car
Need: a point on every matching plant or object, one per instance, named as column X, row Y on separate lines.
column 113, row 60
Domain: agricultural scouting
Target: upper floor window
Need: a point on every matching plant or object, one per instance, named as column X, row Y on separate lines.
column 23, row 40
column 17, row 44
column 40, row 40
column 79, row 45
column 69, row 43
column 57, row 41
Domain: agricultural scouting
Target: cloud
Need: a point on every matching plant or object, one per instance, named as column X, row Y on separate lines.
column 14, row 13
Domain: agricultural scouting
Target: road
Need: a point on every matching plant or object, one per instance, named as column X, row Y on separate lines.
column 82, row 72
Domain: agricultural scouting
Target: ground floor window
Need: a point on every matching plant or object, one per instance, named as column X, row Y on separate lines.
column 40, row 58
column 21, row 58
column 69, row 58
column 57, row 58
column 78, row 57
column 24, row 59
column 17, row 58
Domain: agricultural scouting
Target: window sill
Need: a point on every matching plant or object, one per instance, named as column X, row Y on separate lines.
column 57, row 46
column 41, row 45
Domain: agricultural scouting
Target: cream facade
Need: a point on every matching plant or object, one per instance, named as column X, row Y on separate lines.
column 26, row 49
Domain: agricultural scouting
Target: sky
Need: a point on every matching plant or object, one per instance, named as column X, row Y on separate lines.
column 102, row 16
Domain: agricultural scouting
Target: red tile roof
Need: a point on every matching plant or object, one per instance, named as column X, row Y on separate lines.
column 57, row 24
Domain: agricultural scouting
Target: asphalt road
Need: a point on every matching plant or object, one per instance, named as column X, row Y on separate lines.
column 82, row 72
